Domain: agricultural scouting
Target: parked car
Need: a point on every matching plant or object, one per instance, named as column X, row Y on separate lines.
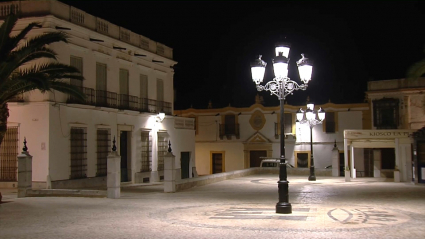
column 273, row 163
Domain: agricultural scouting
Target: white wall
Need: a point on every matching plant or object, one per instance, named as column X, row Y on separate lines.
column 33, row 124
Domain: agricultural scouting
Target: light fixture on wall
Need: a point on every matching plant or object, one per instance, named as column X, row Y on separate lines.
column 160, row 117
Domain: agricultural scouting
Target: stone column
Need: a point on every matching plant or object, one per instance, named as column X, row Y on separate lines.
column 377, row 163
column 397, row 161
column 114, row 173
column 169, row 172
column 24, row 171
column 335, row 161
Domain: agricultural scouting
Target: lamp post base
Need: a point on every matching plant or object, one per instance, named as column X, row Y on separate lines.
column 284, row 207
column 312, row 176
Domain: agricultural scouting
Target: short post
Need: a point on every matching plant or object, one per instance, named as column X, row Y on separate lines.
column 335, row 161
column 396, row 175
column 169, row 171
column 24, row 171
column 114, row 173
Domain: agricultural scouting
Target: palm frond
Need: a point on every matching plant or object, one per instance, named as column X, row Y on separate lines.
column 46, row 39
column 5, row 30
column 416, row 70
column 16, row 39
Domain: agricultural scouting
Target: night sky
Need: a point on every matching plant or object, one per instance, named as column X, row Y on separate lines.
column 215, row 42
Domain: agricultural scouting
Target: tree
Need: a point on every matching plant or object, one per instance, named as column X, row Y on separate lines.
column 20, row 72
column 417, row 69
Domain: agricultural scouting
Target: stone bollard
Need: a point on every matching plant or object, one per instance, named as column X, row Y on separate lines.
column 24, row 171
column 169, row 173
column 114, row 173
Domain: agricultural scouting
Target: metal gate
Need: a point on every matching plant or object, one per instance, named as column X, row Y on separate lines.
column 8, row 155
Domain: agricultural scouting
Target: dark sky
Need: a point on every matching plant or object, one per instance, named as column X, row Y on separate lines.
column 215, row 42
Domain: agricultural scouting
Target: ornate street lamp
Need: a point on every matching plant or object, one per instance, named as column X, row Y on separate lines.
column 312, row 119
column 281, row 86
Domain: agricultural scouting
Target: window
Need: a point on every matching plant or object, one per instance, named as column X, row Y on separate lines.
column 144, row 92
column 101, row 84
column 103, row 146
column 78, row 152
column 77, row 62
column 8, row 155
column 230, row 126
column 302, row 159
column 288, row 125
column 146, row 152
column 385, row 113
column 162, row 150
column 159, row 95
column 330, row 122
column 124, row 89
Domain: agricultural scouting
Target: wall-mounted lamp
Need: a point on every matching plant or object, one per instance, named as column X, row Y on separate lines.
column 160, row 117
column 273, row 112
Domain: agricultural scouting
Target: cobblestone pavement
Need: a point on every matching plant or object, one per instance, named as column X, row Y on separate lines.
column 237, row 208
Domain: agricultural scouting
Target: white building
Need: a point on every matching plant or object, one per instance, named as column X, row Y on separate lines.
column 129, row 80
column 233, row 138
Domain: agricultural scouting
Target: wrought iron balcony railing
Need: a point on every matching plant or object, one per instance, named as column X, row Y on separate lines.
column 90, row 99
column 101, row 98
column 106, row 99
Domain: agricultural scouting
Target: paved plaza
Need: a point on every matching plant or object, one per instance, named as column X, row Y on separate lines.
column 236, row 208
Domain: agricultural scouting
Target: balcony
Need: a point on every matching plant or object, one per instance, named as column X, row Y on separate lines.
column 106, row 99
column 228, row 130
column 90, row 100
column 101, row 98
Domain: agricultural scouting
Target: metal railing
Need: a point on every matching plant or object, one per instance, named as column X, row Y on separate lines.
column 101, row 98
column 90, row 97
column 228, row 130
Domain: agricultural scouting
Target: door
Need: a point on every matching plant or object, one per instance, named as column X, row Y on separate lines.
column 368, row 163
column 421, row 161
column 217, row 163
column 387, row 158
column 124, row 156
column 341, row 165
column 255, row 158
column 185, row 158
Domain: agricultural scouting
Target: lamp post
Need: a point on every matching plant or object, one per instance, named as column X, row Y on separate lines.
column 312, row 118
column 281, row 86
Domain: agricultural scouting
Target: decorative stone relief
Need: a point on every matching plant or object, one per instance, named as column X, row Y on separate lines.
column 257, row 120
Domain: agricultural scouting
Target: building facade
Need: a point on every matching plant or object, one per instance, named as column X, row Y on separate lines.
column 233, row 138
column 129, row 81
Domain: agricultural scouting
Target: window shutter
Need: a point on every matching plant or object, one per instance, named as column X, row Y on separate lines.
column 124, row 82
column 101, row 77
column 143, row 86
column 77, row 62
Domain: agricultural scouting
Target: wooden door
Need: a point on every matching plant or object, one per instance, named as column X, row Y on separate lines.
column 255, row 158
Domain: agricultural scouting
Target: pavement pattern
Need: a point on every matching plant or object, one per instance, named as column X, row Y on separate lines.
column 236, row 208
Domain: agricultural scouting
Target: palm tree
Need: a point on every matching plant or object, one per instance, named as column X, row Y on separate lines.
column 19, row 71
column 417, row 69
